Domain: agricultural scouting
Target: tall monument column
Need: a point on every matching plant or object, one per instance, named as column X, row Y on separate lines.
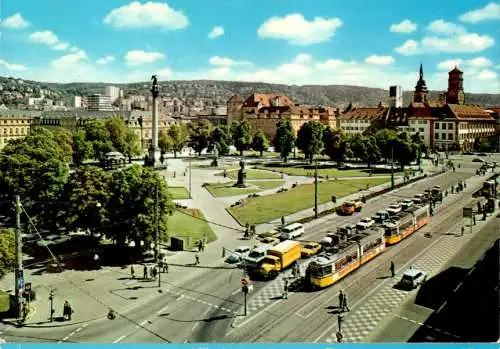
column 153, row 150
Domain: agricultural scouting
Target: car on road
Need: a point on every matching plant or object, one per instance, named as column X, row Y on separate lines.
column 412, row 278
column 478, row 160
column 418, row 199
column 380, row 216
column 365, row 223
column 406, row 204
column 394, row 209
column 238, row 254
column 270, row 234
column 310, row 249
column 267, row 241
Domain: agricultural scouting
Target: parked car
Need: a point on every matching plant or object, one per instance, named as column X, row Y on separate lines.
column 365, row 223
column 418, row 199
column 268, row 241
column 238, row 254
column 394, row 209
column 310, row 249
column 478, row 160
column 380, row 216
column 270, row 234
column 413, row 278
column 406, row 204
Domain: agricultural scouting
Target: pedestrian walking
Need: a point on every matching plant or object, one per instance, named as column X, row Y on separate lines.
column 344, row 304
column 132, row 271
column 462, row 230
column 200, row 246
column 197, row 259
column 393, row 271
column 145, row 272
column 96, row 261
column 153, row 272
column 165, row 267
column 285, row 290
column 341, row 300
column 282, row 220
column 67, row 310
column 474, row 219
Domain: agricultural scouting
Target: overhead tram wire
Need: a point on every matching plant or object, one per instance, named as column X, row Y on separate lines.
column 56, row 260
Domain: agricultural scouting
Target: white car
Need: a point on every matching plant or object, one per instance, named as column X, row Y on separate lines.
column 365, row 223
column 238, row 254
column 413, row 278
column 406, row 204
column 394, row 209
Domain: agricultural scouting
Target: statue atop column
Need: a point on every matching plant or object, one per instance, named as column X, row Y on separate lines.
column 242, row 175
column 154, row 86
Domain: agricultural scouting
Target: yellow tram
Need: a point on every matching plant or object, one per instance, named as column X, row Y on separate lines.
column 347, row 256
column 406, row 223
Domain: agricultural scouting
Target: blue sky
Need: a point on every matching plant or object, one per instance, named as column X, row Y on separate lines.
column 355, row 42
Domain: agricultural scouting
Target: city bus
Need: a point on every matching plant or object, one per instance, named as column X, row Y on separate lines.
column 404, row 224
column 347, row 256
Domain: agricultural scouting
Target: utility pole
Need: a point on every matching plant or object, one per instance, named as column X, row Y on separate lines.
column 392, row 167
column 316, row 190
column 19, row 277
column 157, row 223
column 51, row 298
column 190, row 196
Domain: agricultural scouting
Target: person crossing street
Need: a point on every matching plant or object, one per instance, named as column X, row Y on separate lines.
column 393, row 269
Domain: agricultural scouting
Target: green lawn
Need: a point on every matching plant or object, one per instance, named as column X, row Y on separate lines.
column 252, row 174
column 266, row 208
column 178, row 193
column 4, row 302
column 189, row 222
column 227, row 189
column 322, row 172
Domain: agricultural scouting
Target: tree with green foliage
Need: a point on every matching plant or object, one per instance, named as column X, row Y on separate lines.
column 124, row 139
column 82, row 149
column 84, row 199
column 98, row 135
column 221, row 139
column 178, row 134
column 7, row 250
column 164, row 141
column 385, row 142
column 242, row 137
column 131, row 206
column 34, row 167
column 260, row 142
column 284, row 141
column 200, row 135
column 310, row 139
column 64, row 138
column 336, row 144
column 404, row 150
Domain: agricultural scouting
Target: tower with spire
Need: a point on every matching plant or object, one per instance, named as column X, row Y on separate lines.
column 420, row 93
column 455, row 93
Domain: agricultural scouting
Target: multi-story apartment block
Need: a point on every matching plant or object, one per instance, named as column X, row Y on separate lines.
column 263, row 111
column 15, row 124
column 358, row 120
column 98, row 102
column 112, row 92
column 75, row 102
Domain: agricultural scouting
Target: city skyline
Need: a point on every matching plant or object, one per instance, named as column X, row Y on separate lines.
column 290, row 42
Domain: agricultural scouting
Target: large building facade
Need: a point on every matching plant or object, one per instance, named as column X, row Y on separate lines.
column 15, row 124
column 98, row 102
column 263, row 111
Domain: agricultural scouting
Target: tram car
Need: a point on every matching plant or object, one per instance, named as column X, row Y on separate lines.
column 406, row 223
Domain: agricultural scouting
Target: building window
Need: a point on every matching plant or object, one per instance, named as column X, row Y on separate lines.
column 437, row 126
column 450, row 136
column 450, row 126
column 420, row 129
column 436, row 135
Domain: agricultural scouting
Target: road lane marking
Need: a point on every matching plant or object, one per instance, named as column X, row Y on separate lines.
column 442, row 306
column 119, row 338
column 162, row 309
column 236, row 292
column 202, row 316
column 458, row 286
column 422, row 324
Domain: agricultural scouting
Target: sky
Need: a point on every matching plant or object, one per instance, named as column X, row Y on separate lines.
column 356, row 42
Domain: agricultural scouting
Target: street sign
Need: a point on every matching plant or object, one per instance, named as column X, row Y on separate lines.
column 245, row 281
column 467, row 212
column 27, row 287
column 20, row 283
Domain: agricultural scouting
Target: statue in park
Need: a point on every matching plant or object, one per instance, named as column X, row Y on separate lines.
column 242, row 175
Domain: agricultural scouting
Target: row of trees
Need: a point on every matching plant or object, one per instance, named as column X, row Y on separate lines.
column 371, row 147
column 120, row 205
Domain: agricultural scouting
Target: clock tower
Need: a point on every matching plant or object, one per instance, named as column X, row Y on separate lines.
column 455, row 94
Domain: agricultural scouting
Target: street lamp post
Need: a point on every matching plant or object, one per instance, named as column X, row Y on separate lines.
column 316, row 190
column 190, row 196
column 157, row 237
column 392, row 167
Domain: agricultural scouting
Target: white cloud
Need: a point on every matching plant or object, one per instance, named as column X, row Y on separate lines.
column 50, row 39
column 490, row 11
column 406, row 26
column 12, row 66
column 74, row 49
column 480, row 62
column 106, row 60
column 216, row 32
column 380, row 60
column 69, row 60
column 297, row 30
column 409, row 47
column 16, row 21
column 303, row 58
column 449, row 64
column 226, row 61
column 471, row 66
column 466, row 43
column 487, row 74
column 149, row 14
column 446, row 28
column 138, row 57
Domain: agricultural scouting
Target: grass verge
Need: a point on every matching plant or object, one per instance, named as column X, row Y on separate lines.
column 252, row 174
column 178, row 193
column 267, row 208
column 190, row 222
column 308, row 170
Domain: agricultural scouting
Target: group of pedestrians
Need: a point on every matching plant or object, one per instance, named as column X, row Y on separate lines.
column 151, row 272
column 343, row 302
